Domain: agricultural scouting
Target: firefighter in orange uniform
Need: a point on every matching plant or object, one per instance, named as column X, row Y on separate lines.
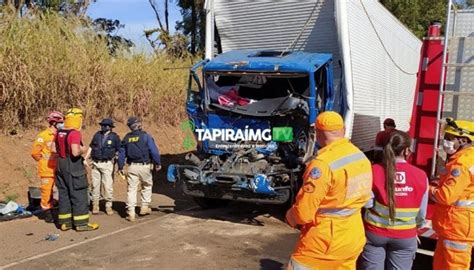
column 337, row 184
column 41, row 152
column 453, row 219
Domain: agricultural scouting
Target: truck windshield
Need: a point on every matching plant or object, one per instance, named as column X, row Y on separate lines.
column 256, row 94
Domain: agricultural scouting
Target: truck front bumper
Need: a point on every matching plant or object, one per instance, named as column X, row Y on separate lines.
column 230, row 186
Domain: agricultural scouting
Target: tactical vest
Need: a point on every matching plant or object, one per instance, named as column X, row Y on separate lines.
column 136, row 145
column 103, row 148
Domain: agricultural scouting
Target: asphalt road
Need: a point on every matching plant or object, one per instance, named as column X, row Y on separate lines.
column 178, row 235
column 237, row 237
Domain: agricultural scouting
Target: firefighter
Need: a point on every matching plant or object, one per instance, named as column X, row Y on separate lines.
column 453, row 218
column 398, row 208
column 141, row 153
column 103, row 148
column 337, row 184
column 71, row 177
column 46, row 159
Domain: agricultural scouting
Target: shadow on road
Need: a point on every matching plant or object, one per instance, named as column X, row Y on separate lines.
column 269, row 264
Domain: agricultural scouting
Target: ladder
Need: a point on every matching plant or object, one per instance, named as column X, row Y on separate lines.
column 456, row 90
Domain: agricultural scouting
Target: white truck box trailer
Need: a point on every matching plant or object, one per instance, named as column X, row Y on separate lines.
column 378, row 55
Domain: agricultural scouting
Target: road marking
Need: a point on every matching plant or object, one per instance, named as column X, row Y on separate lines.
column 89, row 240
column 425, row 252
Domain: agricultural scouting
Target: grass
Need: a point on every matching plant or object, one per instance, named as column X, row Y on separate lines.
column 51, row 62
column 11, row 197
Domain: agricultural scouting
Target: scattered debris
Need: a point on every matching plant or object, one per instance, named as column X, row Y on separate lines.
column 52, row 237
column 12, row 210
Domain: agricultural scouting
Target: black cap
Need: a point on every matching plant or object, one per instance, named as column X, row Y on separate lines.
column 132, row 120
column 107, row 122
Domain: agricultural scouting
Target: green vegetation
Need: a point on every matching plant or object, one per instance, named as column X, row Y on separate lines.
column 53, row 62
column 11, row 197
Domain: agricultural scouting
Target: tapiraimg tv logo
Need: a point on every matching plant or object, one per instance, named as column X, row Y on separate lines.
column 244, row 138
column 233, row 138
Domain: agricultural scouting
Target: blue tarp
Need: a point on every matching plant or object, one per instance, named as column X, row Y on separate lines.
column 247, row 60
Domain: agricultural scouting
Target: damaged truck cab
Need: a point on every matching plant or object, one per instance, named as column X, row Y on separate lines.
column 252, row 114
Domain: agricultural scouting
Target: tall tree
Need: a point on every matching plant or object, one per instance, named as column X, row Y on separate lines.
column 77, row 7
column 193, row 24
column 417, row 14
column 160, row 38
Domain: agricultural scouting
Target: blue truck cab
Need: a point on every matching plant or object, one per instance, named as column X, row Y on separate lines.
column 252, row 114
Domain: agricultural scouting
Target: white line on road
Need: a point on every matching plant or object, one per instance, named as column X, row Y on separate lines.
column 87, row 241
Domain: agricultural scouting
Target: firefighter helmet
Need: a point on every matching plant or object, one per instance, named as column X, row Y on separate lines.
column 460, row 128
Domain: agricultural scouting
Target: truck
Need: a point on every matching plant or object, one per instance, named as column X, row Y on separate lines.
column 444, row 89
column 279, row 63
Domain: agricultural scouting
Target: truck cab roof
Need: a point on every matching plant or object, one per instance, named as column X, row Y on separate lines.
column 267, row 61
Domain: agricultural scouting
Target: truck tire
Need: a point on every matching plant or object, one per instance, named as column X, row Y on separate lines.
column 208, row 203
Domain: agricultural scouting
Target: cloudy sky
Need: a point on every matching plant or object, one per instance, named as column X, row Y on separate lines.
column 137, row 15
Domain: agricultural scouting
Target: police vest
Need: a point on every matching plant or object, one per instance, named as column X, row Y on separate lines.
column 104, row 147
column 136, row 145
column 410, row 186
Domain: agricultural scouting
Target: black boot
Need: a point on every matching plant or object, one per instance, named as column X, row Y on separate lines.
column 48, row 216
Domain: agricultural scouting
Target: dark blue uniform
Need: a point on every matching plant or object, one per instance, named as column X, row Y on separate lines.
column 104, row 147
column 138, row 147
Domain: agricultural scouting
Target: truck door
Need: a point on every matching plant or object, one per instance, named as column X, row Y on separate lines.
column 195, row 95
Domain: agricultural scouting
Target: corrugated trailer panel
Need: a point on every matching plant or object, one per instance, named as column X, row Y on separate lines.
column 384, row 62
column 460, row 71
column 380, row 89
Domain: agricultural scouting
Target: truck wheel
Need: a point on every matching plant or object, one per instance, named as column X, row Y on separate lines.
column 208, row 203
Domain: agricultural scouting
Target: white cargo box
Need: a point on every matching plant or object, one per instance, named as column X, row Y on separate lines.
column 379, row 55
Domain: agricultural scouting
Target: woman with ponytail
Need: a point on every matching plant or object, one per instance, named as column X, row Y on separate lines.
column 398, row 207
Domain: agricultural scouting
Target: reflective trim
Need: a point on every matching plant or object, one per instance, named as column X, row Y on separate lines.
column 346, row 160
column 378, row 148
column 338, row 211
column 378, row 221
column 400, row 213
column 455, row 245
column 464, row 203
column 293, row 265
column 81, row 217
column 64, row 216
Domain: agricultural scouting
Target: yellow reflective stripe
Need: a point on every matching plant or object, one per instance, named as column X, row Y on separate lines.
column 399, row 209
column 81, row 217
column 404, row 214
column 398, row 227
column 64, row 216
column 339, row 163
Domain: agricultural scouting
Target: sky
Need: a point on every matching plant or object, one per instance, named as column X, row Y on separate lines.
column 137, row 15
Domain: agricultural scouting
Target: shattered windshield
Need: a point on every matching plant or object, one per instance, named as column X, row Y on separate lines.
column 256, row 91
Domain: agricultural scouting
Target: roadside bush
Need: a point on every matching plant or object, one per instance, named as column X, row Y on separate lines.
column 50, row 62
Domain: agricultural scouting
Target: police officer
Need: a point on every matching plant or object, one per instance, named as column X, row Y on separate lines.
column 71, row 177
column 453, row 219
column 103, row 148
column 141, row 153
column 337, row 184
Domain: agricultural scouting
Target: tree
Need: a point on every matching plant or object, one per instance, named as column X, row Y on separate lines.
column 417, row 14
column 160, row 38
column 77, row 7
column 107, row 29
column 193, row 24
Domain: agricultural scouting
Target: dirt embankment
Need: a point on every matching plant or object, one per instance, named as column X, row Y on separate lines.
column 18, row 169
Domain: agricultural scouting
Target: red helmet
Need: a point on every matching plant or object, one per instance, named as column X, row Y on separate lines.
column 56, row 117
